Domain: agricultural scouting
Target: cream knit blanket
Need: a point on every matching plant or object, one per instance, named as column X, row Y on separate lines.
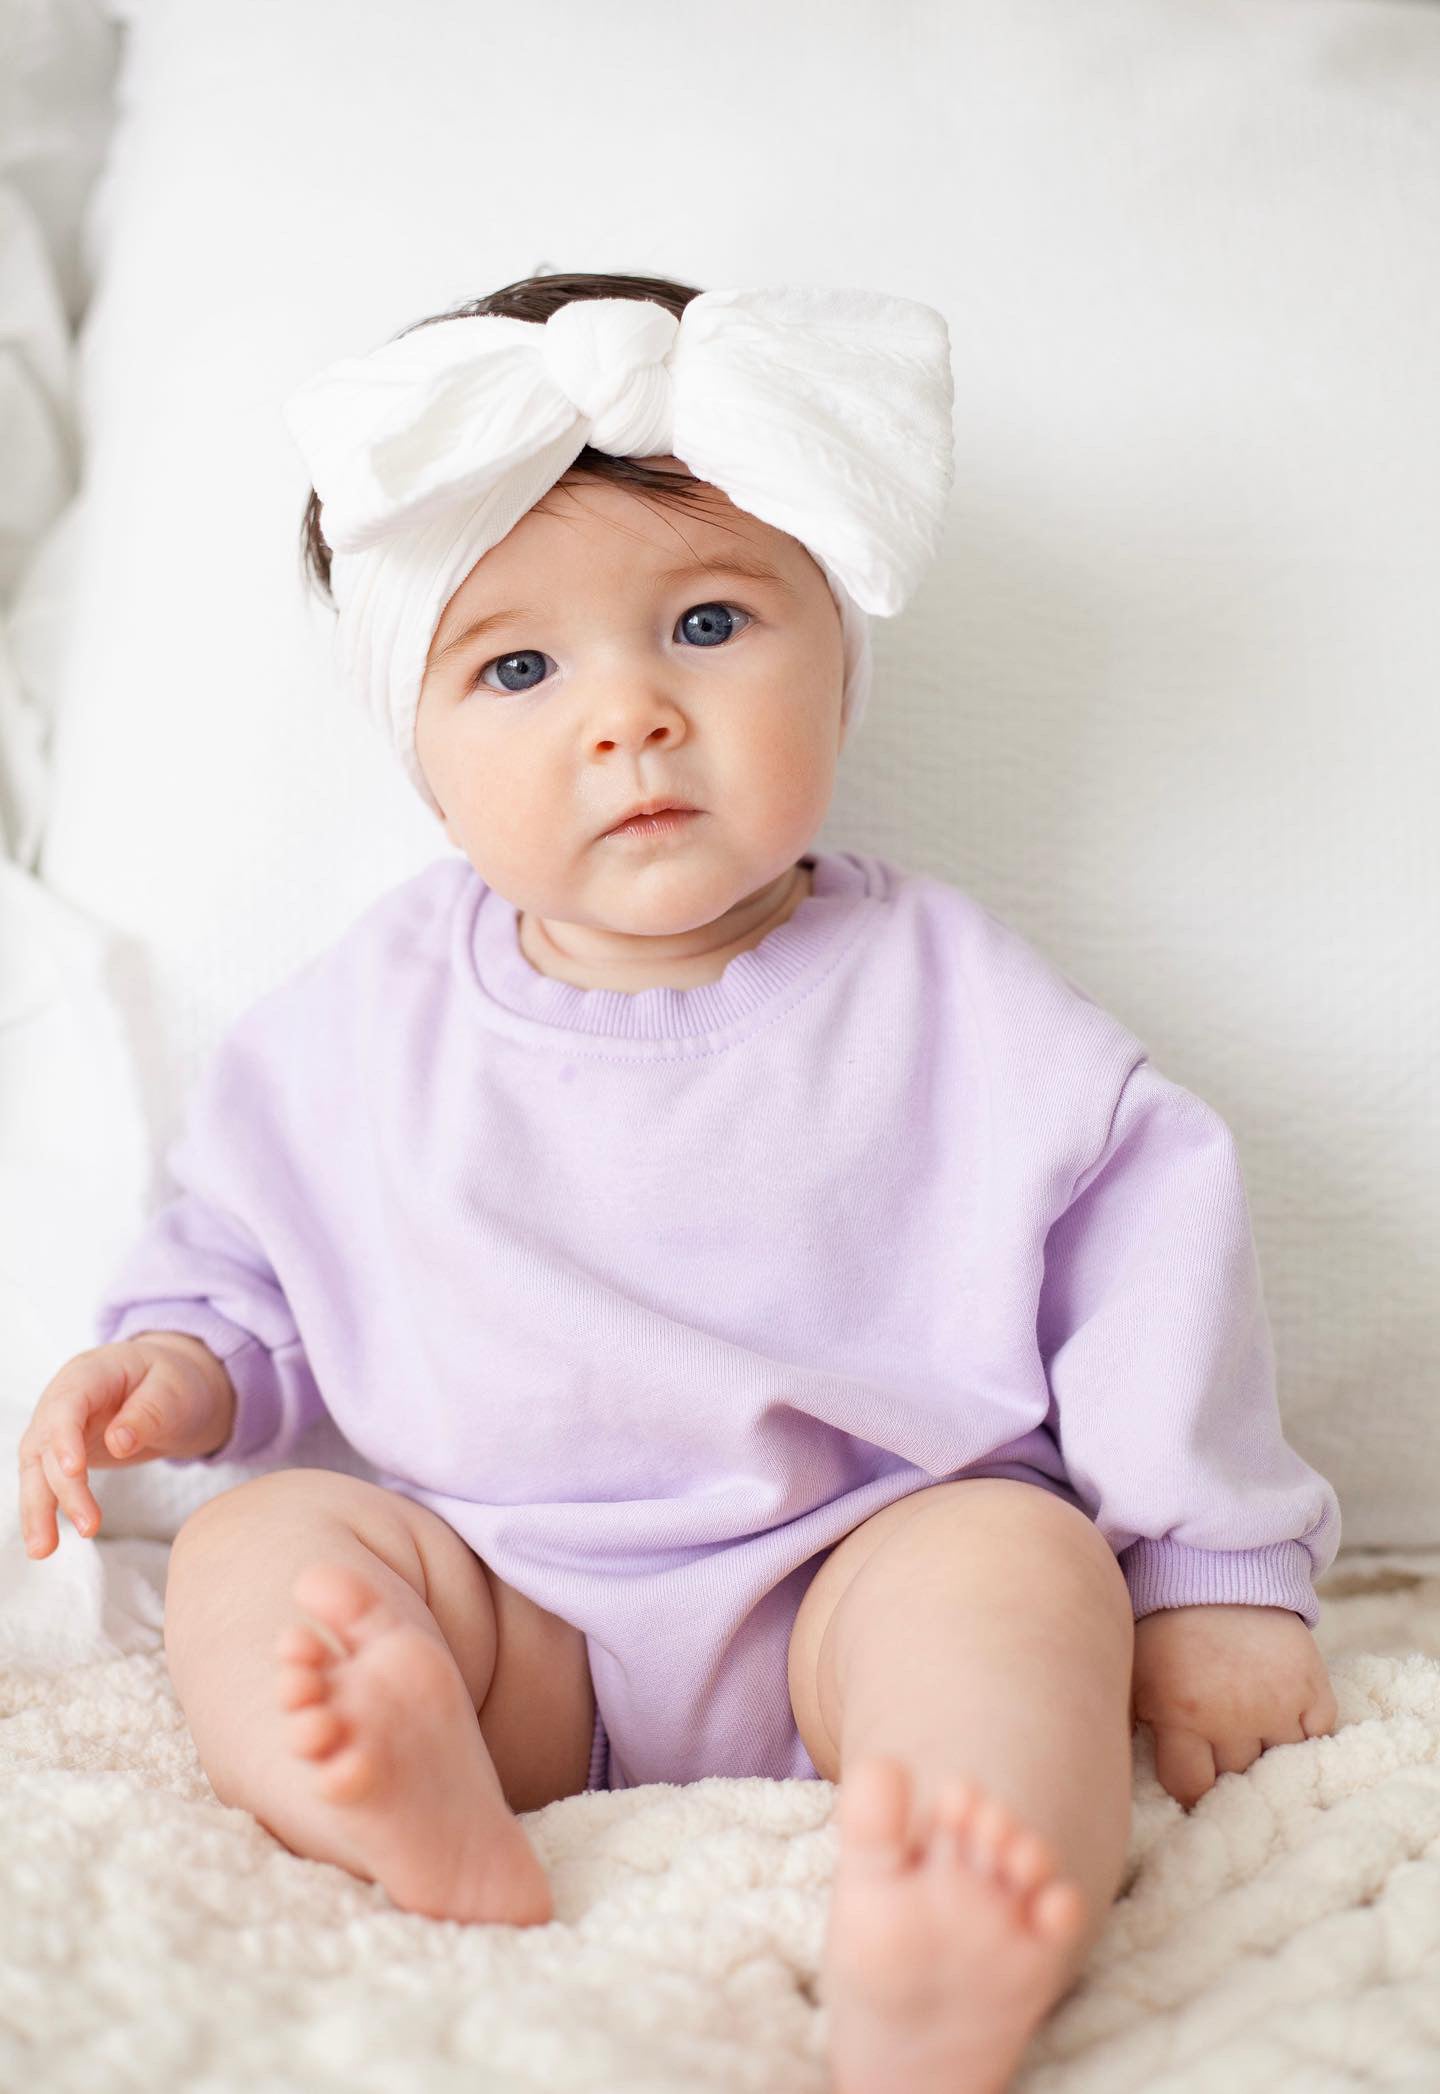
column 1284, row 1935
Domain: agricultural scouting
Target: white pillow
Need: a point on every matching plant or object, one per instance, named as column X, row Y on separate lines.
column 57, row 69
column 1167, row 701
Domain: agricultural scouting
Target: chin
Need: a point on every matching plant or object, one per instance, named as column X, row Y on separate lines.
column 670, row 915
column 660, row 922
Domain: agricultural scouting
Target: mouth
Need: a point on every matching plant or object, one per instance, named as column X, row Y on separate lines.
column 654, row 818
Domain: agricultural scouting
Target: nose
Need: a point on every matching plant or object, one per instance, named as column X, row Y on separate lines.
column 633, row 703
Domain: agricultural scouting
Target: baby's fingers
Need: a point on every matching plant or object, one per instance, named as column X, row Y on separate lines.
column 64, row 1463
column 1184, row 1764
column 37, row 1508
column 43, row 1482
column 140, row 1425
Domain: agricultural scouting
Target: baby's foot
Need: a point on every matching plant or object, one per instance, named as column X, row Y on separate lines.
column 943, row 1957
column 398, row 1754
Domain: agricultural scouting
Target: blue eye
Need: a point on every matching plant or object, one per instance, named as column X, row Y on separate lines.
column 713, row 622
column 706, row 625
column 528, row 678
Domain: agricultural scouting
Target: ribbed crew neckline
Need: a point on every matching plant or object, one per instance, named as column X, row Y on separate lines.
column 516, row 997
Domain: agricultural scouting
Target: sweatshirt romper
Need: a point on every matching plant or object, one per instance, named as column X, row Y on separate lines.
column 655, row 1296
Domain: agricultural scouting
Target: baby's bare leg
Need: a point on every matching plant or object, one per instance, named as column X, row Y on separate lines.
column 965, row 1674
column 332, row 1645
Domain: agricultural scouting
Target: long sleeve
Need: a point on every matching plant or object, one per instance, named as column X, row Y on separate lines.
column 200, row 1265
column 1161, row 1364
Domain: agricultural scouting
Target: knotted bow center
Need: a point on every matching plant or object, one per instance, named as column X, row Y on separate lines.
column 608, row 357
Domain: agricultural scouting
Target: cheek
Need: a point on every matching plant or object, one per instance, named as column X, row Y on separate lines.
column 453, row 736
column 798, row 720
column 817, row 683
column 785, row 768
column 434, row 724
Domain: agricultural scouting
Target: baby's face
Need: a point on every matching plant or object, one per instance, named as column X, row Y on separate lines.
column 604, row 680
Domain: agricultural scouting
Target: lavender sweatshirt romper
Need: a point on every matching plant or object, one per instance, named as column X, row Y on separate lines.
column 654, row 1297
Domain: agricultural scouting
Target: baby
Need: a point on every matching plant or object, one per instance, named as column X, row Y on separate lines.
column 730, row 1256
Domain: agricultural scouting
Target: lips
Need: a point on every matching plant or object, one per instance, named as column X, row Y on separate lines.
column 651, row 807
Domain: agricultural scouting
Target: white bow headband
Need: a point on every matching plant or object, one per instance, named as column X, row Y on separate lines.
column 824, row 413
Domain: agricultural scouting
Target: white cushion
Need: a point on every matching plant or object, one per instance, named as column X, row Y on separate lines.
column 57, row 71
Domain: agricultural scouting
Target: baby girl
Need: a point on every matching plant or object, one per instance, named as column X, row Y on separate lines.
column 796, row 1331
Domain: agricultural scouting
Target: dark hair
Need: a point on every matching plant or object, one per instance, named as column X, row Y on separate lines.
column 536, row 298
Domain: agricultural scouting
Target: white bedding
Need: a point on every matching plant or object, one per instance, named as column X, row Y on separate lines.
column 1282, row 1938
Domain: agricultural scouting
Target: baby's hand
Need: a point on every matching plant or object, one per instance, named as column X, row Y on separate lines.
column 160, row 1393
column 1219, row 1684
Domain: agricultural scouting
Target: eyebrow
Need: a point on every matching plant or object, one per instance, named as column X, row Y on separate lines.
column 742, row 564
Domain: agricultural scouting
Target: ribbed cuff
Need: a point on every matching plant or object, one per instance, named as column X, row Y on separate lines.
column 1167, row 1573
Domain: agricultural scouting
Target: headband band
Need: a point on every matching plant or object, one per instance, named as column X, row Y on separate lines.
column 824, row 413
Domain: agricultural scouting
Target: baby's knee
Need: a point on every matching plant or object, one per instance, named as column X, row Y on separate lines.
column 277, row 1520
column 259, row 1504
column 242, row 1547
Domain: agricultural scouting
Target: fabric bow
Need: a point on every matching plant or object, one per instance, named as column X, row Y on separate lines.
column 824, row 413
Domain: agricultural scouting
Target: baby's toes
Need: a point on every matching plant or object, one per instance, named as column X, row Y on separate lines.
column 1027, row 1861
column 298, row 1686
column 350, row 1776
column 316, row 1733
column 976, row 1828
column 298, row 1645
column 1059, row 1910
column 1028, row 1867
column 955, row 1802
column 305, row 1667
column 342, row 1605
column 990, row 1830
column 874, row 1810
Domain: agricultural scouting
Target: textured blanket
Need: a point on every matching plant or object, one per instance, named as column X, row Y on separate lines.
column 1285, row 1934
